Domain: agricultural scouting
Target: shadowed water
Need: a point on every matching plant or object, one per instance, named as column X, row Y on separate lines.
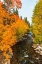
column 23, row 53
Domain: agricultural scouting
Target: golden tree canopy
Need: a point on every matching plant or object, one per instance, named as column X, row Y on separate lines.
column 37, row 22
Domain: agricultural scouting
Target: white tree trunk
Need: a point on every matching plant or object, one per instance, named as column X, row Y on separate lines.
column 2, row 60
column 7, row 62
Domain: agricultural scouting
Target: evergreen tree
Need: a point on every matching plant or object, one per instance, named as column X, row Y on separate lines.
column 21, row 17
column 27, row 21
column 15, row 11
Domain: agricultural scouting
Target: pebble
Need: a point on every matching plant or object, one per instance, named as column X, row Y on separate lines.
column 26, row 56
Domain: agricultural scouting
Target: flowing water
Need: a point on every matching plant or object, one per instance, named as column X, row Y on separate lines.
column 23, row 53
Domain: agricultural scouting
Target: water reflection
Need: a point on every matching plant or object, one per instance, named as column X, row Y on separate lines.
column 23, row 53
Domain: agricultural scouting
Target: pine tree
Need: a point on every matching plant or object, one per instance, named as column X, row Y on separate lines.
column 25, row 18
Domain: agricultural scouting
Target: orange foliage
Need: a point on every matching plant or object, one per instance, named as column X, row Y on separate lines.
column 17, row 2
column 9, row 23
column 13, row 3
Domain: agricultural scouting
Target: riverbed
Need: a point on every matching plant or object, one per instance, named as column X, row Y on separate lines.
column 24, row 53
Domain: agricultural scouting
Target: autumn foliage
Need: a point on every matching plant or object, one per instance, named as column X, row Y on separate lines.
column 12, row 28
column 37, row 22
column 13, row 3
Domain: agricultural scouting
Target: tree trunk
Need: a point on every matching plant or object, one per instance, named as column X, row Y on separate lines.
column 2, row 60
